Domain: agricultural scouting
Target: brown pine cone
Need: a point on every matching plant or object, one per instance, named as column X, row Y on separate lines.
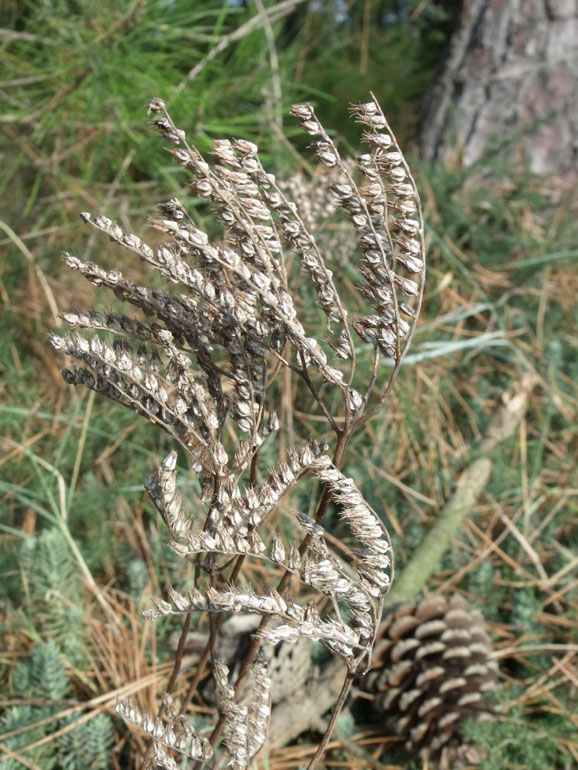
column 432, row 662
column 290, row 666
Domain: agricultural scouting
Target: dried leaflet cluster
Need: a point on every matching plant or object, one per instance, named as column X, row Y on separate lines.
column 201, row 361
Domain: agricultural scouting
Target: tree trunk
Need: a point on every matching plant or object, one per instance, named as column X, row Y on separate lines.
column 512, row 70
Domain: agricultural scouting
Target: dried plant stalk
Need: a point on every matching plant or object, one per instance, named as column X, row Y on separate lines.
column 201, row 361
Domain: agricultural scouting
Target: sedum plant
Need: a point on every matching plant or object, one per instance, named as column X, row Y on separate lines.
column 203, row 358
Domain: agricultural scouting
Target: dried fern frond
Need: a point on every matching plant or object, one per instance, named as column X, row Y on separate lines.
column 386, row 215
column 200, row 360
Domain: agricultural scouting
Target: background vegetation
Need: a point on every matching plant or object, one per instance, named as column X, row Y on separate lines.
column 80, row 546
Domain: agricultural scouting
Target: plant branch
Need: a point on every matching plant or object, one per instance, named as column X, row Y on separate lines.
column 331, row 726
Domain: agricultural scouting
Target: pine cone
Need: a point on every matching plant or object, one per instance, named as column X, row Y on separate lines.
column 290, row 666
column 432, row 662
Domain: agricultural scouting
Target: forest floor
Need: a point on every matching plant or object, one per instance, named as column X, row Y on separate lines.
column 81, row 548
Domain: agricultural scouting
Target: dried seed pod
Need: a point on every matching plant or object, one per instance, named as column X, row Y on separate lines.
column 200, row 363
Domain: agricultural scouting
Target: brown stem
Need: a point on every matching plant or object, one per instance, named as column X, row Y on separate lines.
column 326, row 413
column 254, row 469
column 331, row 726
column 179, row 653
column 199, row 673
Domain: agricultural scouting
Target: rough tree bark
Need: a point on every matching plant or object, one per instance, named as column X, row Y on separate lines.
column 512, row 70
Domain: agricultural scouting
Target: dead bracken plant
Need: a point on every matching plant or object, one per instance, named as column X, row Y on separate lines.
column 203, row 362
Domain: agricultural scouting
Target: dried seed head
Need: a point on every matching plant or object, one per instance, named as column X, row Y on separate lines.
column 200, row 364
